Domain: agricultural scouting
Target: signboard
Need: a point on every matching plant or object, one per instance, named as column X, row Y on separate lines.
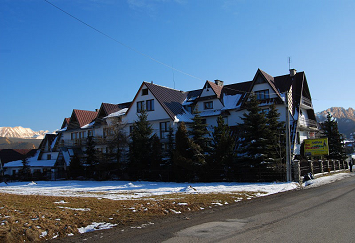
column 316, row 147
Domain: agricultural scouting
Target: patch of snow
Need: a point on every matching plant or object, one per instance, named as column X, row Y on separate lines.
column 76, row 209
column 43, row 234
column 96, row 226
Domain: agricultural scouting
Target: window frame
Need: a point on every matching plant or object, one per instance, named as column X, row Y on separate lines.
column 164, row 129
column 150, row 105
column 144, row 92
column 208, row 105
column 262, row 94
column 140, row 106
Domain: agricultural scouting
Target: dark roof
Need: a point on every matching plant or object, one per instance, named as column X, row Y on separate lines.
column 216, row 88
column 81, row 118
column 47, row 138
column 7, row 155
column 65, row 122
column 170, row 99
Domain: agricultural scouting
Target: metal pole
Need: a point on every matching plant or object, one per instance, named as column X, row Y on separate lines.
column 288, row 141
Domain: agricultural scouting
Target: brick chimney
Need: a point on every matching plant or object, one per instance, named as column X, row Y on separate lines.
column 219, row 82
column 293, row 72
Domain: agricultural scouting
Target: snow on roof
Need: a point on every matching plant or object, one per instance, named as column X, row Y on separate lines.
column 184, row 117
column 117, row 113
column 211, row 113
column 62, row 130
column 35, row 163
column 231, row 101
column 88, row 125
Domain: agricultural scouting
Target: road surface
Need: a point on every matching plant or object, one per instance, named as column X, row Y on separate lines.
column 322, row 214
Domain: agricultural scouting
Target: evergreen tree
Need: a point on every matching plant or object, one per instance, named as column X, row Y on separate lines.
column 276, row 139
column 187, row 158
column 156, row 155
column 25, row 172
column 170, row 146
column 91, row 157
column 140, row 147
column 118, row 141
column 222, row 153
column 75, row 167
column 335, row 140
column 255, row 132
column 199, row 133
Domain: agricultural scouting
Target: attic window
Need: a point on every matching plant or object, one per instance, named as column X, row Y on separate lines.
column 208, row 105
column 262, row 94
column 144, row 91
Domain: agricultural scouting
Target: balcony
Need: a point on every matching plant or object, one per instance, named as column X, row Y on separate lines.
column 307, row 123
column 83, row 141
column 306, row 103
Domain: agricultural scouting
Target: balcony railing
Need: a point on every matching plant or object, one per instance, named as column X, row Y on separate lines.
column 304, row 122
column 83, row 141
column 305, row 102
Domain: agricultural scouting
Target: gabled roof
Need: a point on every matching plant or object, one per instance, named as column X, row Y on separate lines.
column 47, row 138
column 65, row 122
column 216, row 88
column 170, row 99
column 107, row 108
column 80, row 118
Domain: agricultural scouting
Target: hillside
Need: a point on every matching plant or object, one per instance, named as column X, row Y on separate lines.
column 345, row 118
column 19, row 143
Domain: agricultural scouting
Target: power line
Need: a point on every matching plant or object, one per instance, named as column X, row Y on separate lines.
column 121, row 43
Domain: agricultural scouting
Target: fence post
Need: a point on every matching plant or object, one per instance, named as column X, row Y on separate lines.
column 333, row 164
column 311, row 165
column 321, row 166
column 296, row 171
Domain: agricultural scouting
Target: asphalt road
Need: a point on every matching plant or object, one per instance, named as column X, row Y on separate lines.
column 322, row 214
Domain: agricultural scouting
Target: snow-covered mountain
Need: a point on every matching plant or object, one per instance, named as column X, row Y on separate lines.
column 344, row 117
column 20, row 132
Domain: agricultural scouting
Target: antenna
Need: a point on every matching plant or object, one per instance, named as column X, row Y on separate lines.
column 172, row 65
column 289, row 63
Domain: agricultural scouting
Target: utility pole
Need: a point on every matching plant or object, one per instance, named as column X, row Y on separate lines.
column 288, row 142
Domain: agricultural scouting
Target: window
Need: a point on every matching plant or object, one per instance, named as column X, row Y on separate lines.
column 164, row 129
column 84, row 134
column 265, row 111
column 144, row 91
column 262, row 94
column 72, row 136
column 140, row 106
column 208, row 105
column 150, row 105
column 90, row 133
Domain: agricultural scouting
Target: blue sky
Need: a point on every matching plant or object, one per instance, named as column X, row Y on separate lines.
column 50, row 63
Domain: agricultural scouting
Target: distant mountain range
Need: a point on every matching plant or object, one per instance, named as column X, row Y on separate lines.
column 19, row 143
column 20, row 132
column 344, row 117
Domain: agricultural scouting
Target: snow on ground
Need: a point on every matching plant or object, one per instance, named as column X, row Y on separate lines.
column 120, row 190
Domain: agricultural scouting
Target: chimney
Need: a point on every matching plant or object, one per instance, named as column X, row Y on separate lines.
column 292, row 72
column 219, row 82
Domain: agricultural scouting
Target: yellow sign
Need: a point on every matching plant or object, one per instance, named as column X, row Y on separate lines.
column 315, row 147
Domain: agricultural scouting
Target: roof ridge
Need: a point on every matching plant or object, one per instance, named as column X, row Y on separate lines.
column 163, row 86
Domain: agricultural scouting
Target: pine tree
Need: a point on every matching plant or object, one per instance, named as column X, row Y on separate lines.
column 187, row 158
column 222, row 153
column 276, row 139
column 25, row 171
column 75, row 167
column 335, row 139
column 199, row 133
column 118, row 141
column 254, row 145
column 140, row 147
column 156, row 155
column 91, row 157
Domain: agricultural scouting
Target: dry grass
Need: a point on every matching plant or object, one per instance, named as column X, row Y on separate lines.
column 36, row 218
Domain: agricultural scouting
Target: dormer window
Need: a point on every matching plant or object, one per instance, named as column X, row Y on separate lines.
column 262, row 94
column 144, row 92
column 208, row 105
